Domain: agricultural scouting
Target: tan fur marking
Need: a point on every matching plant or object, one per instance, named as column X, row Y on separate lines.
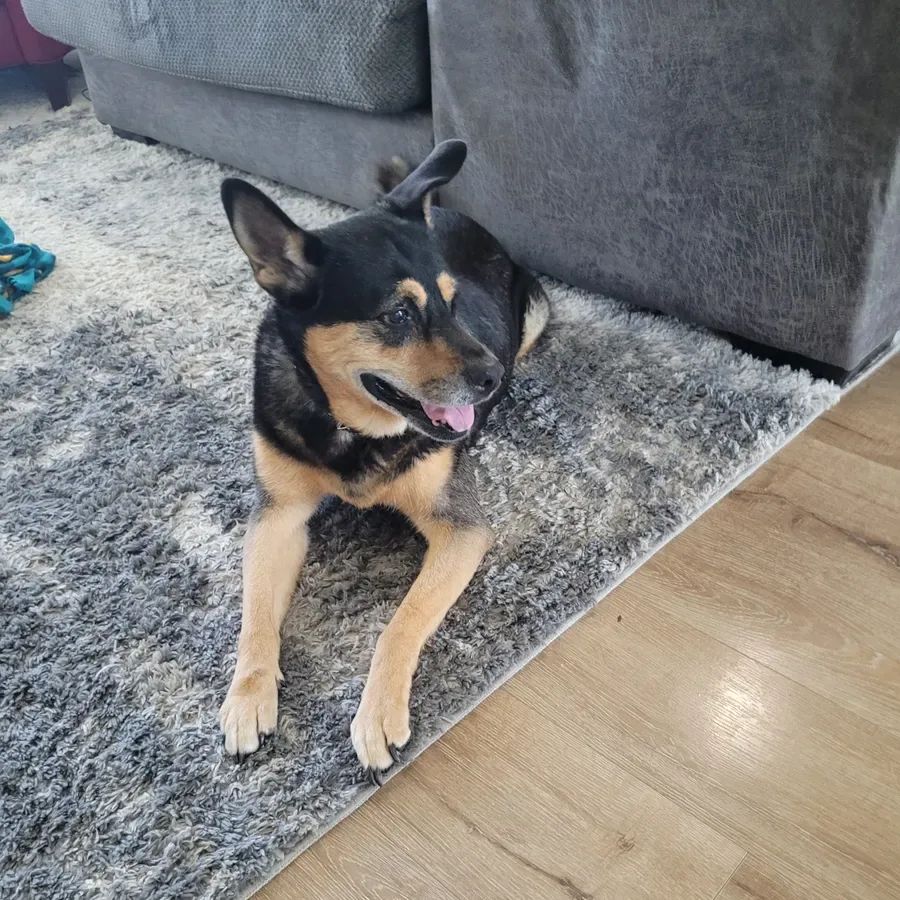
column 417, row 491
column 285, row 479
column 339, row 353
column 536, row 317
column 382, row 719
column 452, row 557
column 413, row 290
column 424, row 361
column 447, row 286
column 274, row 550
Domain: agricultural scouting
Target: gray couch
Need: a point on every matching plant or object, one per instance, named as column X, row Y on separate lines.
column 737, row 165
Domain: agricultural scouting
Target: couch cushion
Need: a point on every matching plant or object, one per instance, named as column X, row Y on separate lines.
column 363, row 54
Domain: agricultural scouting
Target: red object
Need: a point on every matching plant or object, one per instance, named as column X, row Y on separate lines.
column 21, row 45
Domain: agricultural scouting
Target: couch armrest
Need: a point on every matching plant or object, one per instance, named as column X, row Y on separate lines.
column 733, row 164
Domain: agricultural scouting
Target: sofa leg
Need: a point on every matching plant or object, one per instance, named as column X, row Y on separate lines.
column 54, row 78
column 132, row 136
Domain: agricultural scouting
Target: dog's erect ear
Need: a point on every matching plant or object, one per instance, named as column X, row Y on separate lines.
column 284, row 256
column 410, row 197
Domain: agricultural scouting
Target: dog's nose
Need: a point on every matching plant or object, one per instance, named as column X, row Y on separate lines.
column 486, row 379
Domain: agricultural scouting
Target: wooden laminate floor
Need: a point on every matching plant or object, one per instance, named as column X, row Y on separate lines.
column 725, row 724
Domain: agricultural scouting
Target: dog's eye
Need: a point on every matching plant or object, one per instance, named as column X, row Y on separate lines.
column 398, row 316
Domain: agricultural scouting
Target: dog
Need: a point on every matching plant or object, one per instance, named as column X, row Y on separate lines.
column 391, row 337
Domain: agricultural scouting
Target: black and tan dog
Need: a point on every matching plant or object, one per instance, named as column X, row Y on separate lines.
column 392, row 336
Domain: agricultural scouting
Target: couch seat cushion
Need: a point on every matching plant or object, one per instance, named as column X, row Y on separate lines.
column 363, row 54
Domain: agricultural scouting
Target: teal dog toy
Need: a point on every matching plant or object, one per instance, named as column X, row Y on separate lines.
column 22, row 266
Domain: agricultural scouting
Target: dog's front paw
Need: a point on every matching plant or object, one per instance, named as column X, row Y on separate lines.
column 250, row 711
column 381, row 723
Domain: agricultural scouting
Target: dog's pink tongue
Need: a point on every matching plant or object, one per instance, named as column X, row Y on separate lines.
column 459, row 418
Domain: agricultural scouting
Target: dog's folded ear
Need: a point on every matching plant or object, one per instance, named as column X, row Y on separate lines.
column 411, row 196
column 284, row 257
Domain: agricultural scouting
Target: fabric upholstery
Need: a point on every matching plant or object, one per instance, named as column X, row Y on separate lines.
column 735, row 164
column 322, row 149
column 352, row 53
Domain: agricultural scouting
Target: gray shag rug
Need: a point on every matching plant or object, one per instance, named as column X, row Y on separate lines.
column 125, row 480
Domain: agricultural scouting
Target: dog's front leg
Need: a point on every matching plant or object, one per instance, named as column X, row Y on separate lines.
column 274, row 550
column 382, row 720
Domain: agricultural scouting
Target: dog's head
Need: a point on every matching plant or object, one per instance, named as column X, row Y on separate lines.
column 374, row 302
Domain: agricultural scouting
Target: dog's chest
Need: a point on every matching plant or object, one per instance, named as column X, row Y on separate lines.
column 361, row 471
